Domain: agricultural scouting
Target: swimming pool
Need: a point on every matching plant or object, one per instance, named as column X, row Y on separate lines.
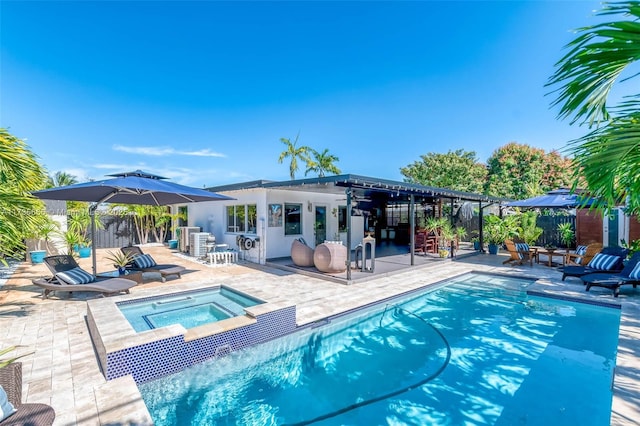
column 189, row 309
column 477, row 350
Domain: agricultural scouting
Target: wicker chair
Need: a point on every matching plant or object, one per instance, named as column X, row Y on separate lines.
column 27, row 414
column 301, row 253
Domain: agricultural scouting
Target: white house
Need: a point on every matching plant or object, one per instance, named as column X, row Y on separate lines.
column 273, row 214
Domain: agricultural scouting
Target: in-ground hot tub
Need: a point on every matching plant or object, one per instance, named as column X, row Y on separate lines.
column 189, row 309
column 167, row 332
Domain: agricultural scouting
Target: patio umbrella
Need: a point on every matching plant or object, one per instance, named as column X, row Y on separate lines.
column 135, row 187
column 561, row 198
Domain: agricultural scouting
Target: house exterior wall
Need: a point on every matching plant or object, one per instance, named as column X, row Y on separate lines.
column 273, row 243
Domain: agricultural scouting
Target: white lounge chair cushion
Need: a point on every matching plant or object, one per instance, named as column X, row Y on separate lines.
column 76, row 276
column 6, row 408
column 603, row 262
column 144, row 261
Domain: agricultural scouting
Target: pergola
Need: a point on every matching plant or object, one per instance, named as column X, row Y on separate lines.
column 355, row 187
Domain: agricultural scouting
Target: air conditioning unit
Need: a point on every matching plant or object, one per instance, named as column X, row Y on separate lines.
column 198, row 244
column 185, row 232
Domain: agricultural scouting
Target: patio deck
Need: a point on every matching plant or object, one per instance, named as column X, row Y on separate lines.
column 62, row 369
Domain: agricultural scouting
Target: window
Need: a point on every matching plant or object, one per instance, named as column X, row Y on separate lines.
column 242, row 218
column 292, row 219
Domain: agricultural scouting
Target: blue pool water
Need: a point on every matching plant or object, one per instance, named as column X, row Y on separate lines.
column 190, row 309
column 476, row 351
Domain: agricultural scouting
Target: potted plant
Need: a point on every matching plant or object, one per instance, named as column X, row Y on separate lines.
column 495, row 230
column 72, row 240
column 84, row 247
column 42, row 231
column 475, row 239
column 120, row 260
column 567, row 236
column 447, row 235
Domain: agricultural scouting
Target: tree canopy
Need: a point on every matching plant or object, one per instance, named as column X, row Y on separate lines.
column 21, row 215
column 520, row 171
column 322, row 162
column 513, row 171
column 608, row 156
column 458, row 170
column 294, row 153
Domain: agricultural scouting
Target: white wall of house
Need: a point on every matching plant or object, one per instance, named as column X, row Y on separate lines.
column 211, row 217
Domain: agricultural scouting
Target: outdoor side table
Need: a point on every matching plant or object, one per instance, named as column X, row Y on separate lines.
column 130, row 275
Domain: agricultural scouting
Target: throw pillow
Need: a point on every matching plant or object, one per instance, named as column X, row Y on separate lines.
column 635, row 273
column 6, row 408
column 143, row 261
column 76, row 275
column 603, row 262
column 581, row 250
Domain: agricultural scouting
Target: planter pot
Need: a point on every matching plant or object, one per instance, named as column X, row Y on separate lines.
column 173, row 244
column 37, row 256
column 122, row 270
column 84, row 251
column 493, row 248
column 476, row 245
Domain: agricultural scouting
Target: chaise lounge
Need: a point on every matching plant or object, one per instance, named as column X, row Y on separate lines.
column 69, row 277
column 609, row 260
column 145, row 263
column 630, row 275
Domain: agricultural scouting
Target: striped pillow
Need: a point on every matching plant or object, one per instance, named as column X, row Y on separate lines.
column 522, row 247
column 144, row 261
column 581, row 251
column 76, row 275
column 603, row 262
column 635, row 273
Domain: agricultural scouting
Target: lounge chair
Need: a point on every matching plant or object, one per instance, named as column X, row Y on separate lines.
column 520, row 253
column 145, row 263
column 630, row 274
column 69, row 277
column 25, row 414
column 583, row 254
column 608, row 260
column 301, row 253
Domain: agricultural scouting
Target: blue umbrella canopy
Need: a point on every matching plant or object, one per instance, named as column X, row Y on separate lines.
column 561, row 198
column 135, row 187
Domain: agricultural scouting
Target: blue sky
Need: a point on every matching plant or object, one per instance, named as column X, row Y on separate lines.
column 201, row 92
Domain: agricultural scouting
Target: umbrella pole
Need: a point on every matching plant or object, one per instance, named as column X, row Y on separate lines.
column 92, row 216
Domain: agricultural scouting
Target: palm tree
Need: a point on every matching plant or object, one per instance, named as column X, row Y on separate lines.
column 608, row 157
column 322, row 162
column 61, row 179
column 20, row 213
column 294, row 152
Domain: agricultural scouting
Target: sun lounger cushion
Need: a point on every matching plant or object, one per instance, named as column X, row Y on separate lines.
column 635, row 272
column 581, row 251
column 604, row 262
column 76, row 276
column 6, row 408
column 522, row 247
column 144, row 261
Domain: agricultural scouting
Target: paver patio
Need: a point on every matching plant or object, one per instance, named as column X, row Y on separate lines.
column 62, row 369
